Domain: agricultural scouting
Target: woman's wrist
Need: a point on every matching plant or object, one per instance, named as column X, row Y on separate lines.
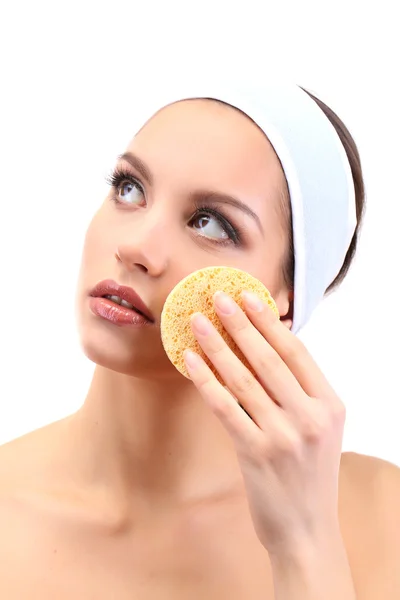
column 313, row 568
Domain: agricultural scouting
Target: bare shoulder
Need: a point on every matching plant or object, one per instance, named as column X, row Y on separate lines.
column 26, row 468
column 24, row 458
column 29, row 469
column 369, row 508
column 374, row 484
column 364, row 473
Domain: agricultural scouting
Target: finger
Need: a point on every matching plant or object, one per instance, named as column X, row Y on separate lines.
column 289, row 347
column 272, row 372
column 235, row 420
column 242, row 384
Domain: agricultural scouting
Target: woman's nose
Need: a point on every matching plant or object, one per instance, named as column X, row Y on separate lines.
column 145, row 251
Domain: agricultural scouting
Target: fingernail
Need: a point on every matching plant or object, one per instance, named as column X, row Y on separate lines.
column 253, row 301
column 192, row 359
column 224, row 303
column 201, row 324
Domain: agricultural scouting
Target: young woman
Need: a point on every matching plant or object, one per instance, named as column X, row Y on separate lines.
column 161, row 487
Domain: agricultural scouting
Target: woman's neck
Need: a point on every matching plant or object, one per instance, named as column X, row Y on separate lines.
column 152, row 439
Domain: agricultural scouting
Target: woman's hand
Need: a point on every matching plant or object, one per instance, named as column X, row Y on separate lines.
column 289, row 436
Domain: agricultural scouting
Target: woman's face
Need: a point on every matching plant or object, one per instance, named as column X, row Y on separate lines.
column 210, row 194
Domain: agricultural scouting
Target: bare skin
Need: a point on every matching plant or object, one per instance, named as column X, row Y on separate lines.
column 61, row 539
column 124, row 499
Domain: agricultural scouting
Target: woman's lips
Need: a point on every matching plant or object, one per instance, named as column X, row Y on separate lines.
column 109, row 287
column 116, row 314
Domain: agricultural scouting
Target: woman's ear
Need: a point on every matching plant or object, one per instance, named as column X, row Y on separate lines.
column 284, row 302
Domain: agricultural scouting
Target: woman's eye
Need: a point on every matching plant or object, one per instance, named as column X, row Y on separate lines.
column 129, row 192
column 209, row 226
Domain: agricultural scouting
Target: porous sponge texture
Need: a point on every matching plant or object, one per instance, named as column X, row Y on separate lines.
column 195, row 294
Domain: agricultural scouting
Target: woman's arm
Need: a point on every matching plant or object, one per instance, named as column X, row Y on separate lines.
column 315, row 570
column 288, row 440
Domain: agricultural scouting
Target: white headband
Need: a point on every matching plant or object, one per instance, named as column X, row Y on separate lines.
column 317, row 172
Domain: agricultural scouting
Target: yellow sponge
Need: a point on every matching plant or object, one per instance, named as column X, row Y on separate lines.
column 195, row 294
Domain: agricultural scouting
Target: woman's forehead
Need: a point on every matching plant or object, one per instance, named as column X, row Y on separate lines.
column 209, row 134
column 201, row 115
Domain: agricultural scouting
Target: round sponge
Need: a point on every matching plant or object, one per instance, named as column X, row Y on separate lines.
column 195, row 294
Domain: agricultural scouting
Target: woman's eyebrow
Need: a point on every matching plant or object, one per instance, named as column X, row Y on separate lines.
column 139, row 165
column 198, row 196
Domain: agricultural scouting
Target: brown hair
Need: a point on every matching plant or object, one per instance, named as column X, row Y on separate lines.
column 355, row 164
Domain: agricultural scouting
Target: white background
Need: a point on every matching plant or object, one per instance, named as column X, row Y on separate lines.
column 71, row 76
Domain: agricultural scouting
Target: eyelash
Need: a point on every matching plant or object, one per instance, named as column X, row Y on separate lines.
column 120, row 175
column 233, row 232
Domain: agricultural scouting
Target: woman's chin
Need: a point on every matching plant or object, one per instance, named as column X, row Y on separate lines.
column 135, row 359
column 135, row 352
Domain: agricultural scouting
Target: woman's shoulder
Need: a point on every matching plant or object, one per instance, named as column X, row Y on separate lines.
column 27, row 519
column 369, row 483
column 28, row 472
column 360, row 471
column 24, row 459
column 369, row 512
